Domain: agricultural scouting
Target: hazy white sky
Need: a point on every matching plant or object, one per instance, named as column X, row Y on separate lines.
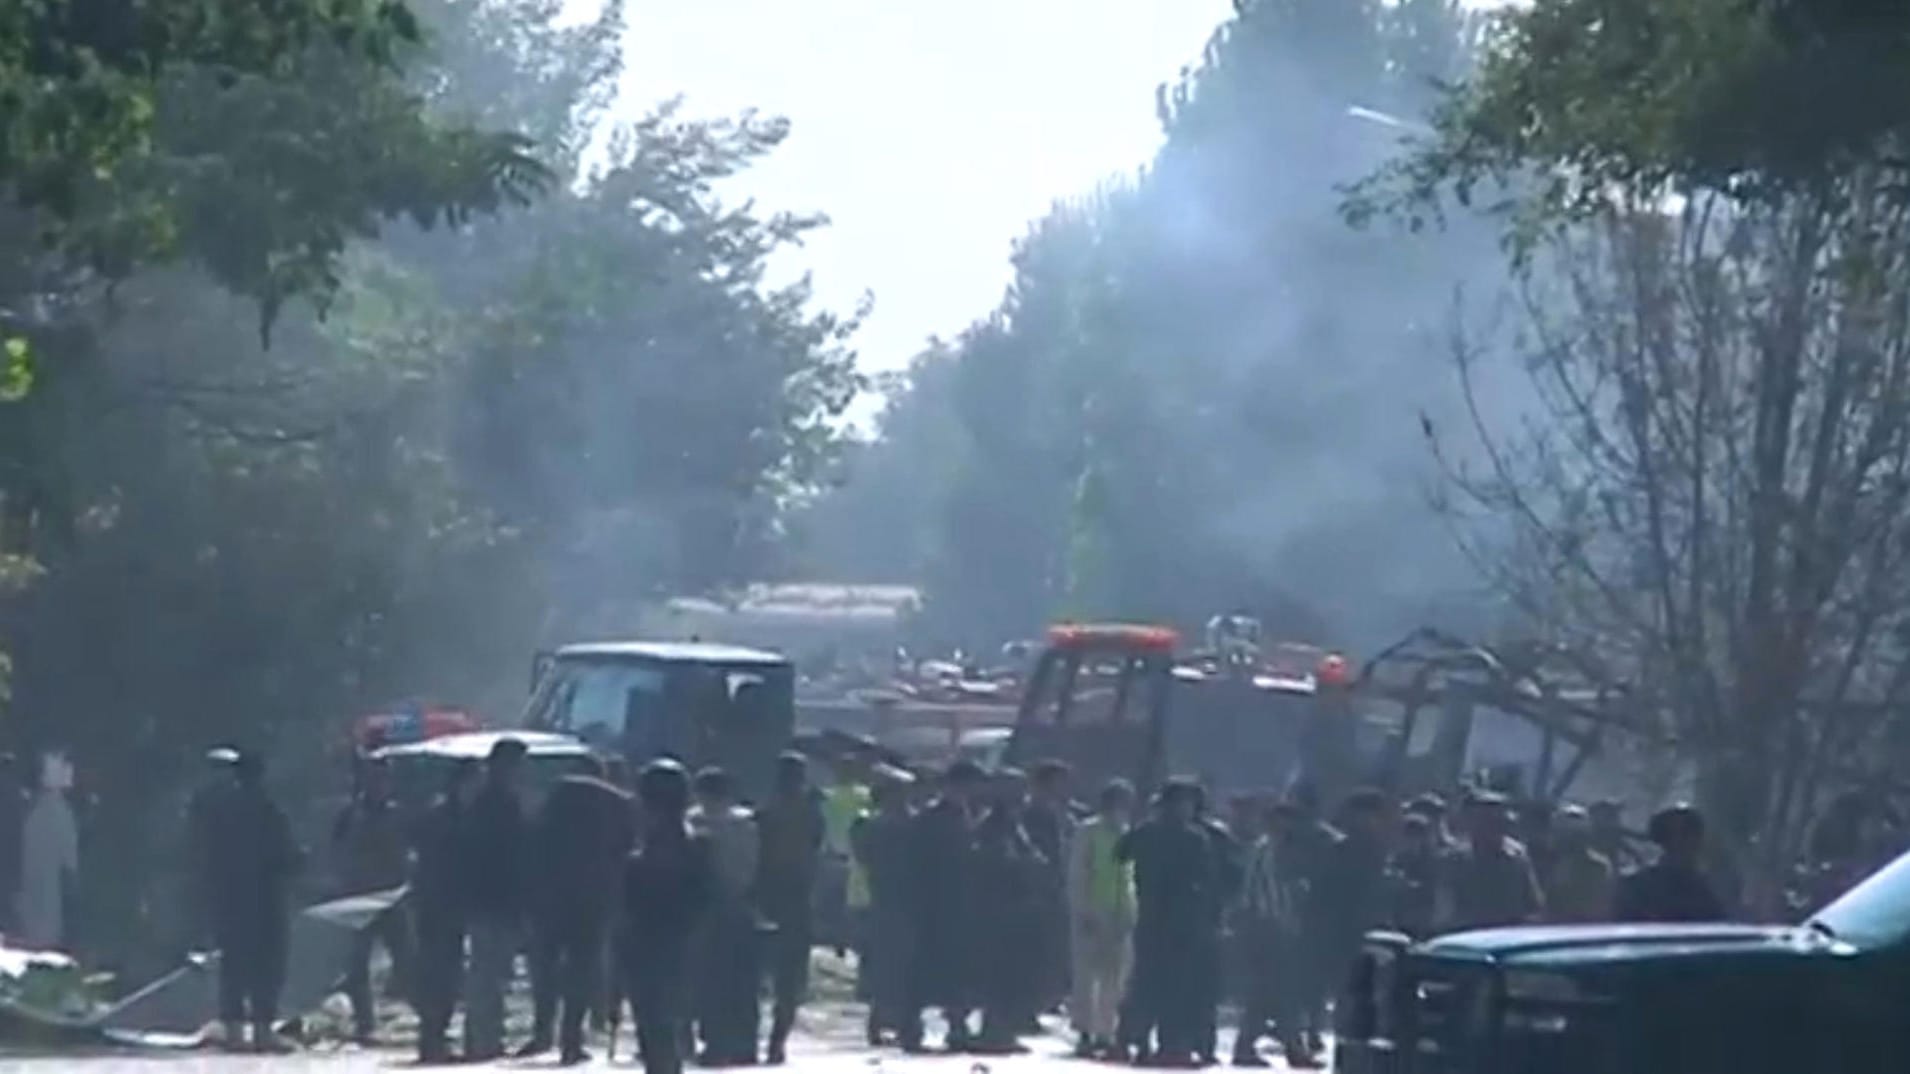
column 932, row 133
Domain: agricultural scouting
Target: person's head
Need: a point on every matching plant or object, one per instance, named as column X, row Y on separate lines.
column 1573, row 828
column 792, row 775
column 506, row 760
column 1487, row 817
column 664, row 789
column 1363, row 814
column 714, row 788
column 1283, row 817
column 1050, row 783
column 460, row 778
column 963, row 781
column 1679, row 832
column 1180, row 800
column 1415, row 833
column 1607, row 819
column 374, row 777
column 222, row 763
column 1117, row 800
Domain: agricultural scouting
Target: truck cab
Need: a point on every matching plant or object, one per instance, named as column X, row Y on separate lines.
column 699, row 702
column 1120, row 700
column 1826, row 995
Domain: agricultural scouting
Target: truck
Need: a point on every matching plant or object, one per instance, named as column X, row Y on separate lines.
column 1825, row 995
column 1123, row 700
column 699, row 702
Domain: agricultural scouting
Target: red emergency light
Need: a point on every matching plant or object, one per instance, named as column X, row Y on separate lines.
column 410, row 725
column 1113, row 636
column 1333, row 671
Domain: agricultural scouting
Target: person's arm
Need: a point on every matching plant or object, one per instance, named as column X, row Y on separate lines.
column 1080, row 871
column 1125, row 847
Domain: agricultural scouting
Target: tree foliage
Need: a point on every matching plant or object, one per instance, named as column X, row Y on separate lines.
column 1576, row 99
column 1200, row 389
column 500, row 435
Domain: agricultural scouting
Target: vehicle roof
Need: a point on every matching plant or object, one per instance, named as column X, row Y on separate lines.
column 476, row 745
column 674, row 652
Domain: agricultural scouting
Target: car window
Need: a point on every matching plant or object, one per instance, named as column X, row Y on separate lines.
column 1875, row 913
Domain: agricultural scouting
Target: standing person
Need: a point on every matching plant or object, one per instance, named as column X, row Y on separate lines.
column 1350, row 897
column 13, row 810
column 1311, row 852
column 666, row 889
column 252, row 862
column 1489, row 880
column 1581, row 887
column 1226, row 870
column 369, row 855
column 1412, row 878
column 1609, row 838
column 495, row 897
column 1674, row 888
column 1100, row 899
column 49, row 858
column 790, row 828
column 202, row 813
column 1008, row 896
column 882, row 850
column 438, row 911
column 581, row 835
column 1173, row 859
column 726, row 971
column 1271, row 898
column 944, row 926
column 1049, row 821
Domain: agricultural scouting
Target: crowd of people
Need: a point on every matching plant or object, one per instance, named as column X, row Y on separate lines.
column 987, row 898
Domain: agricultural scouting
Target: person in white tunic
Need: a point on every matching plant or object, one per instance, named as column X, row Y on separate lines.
column 49, row 856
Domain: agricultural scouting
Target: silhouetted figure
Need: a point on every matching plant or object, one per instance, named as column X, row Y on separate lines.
column 881, row 841
column 727, row 970
column 437, row 901
column 579, row 841
column 1579, row 887
column 369, row 852
column 944, row 911
column 1226, row 870
column 495, row 902
column 1008, row 891
column 202, row 812
column 666, row 890
column 252, row 862
column 791, row 829
column 1489, row 880
column 1674, row 888
column 1173, row 859
column 1269, row 925
column 1049, row 820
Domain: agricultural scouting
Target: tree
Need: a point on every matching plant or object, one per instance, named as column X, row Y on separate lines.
column 1199, row 389
column 1576, row 98
column 1714, row 503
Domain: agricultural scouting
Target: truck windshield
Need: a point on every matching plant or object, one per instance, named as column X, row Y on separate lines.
column 1875, row 913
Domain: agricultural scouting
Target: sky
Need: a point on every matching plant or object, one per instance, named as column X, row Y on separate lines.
column 932, row 134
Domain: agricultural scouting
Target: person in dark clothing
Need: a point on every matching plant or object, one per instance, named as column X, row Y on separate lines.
column 495, row 897
column 1008, row 893
column 1311, row 848
column 880, row 841
column 1674, row 888
column 1227, row 869
column 1049, row 820
column 201, row 840
column 579, row 841
column 1350, row 896
column 252, row 862
column 1173, row 859
column 790, row 834
column 727, row 974
column 1412, row 879
column 667, row 887
column 942, row 868
column 368, row 846
column 1269, row 923
column 436, row 899
column 14, row 802
column 1489, row 881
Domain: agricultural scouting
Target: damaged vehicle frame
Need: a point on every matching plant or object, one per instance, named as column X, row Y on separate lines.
column 1827, row 995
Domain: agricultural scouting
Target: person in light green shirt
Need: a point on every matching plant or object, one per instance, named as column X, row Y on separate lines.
column 1101, row 919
